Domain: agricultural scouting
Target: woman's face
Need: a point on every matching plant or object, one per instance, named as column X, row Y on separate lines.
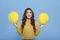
column 29, row 14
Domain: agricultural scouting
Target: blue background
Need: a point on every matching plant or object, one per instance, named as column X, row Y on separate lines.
column 51, row 31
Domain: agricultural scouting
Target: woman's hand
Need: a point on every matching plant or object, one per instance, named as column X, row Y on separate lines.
column 41, row 26
column 15, row 24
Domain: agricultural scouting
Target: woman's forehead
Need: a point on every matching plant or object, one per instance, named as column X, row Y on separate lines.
column 28, row 10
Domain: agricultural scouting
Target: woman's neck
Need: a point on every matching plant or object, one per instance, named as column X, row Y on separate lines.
column 28, row 19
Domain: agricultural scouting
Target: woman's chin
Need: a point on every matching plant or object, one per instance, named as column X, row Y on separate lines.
column 28, row 17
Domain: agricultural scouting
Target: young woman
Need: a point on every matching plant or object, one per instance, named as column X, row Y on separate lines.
column 28, row 27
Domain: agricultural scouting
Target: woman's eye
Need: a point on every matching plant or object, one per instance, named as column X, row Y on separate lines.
column 30, row 12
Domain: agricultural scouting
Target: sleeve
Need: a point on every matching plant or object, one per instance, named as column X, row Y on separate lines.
column 37, row 29
column 18, row 28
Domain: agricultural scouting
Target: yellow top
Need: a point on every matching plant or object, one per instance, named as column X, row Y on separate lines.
column 28, row 32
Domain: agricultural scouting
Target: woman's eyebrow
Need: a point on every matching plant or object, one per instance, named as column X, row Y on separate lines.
column 30, row 12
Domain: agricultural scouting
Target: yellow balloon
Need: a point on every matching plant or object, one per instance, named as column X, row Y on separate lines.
column 43, row 18
column 13, row 17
